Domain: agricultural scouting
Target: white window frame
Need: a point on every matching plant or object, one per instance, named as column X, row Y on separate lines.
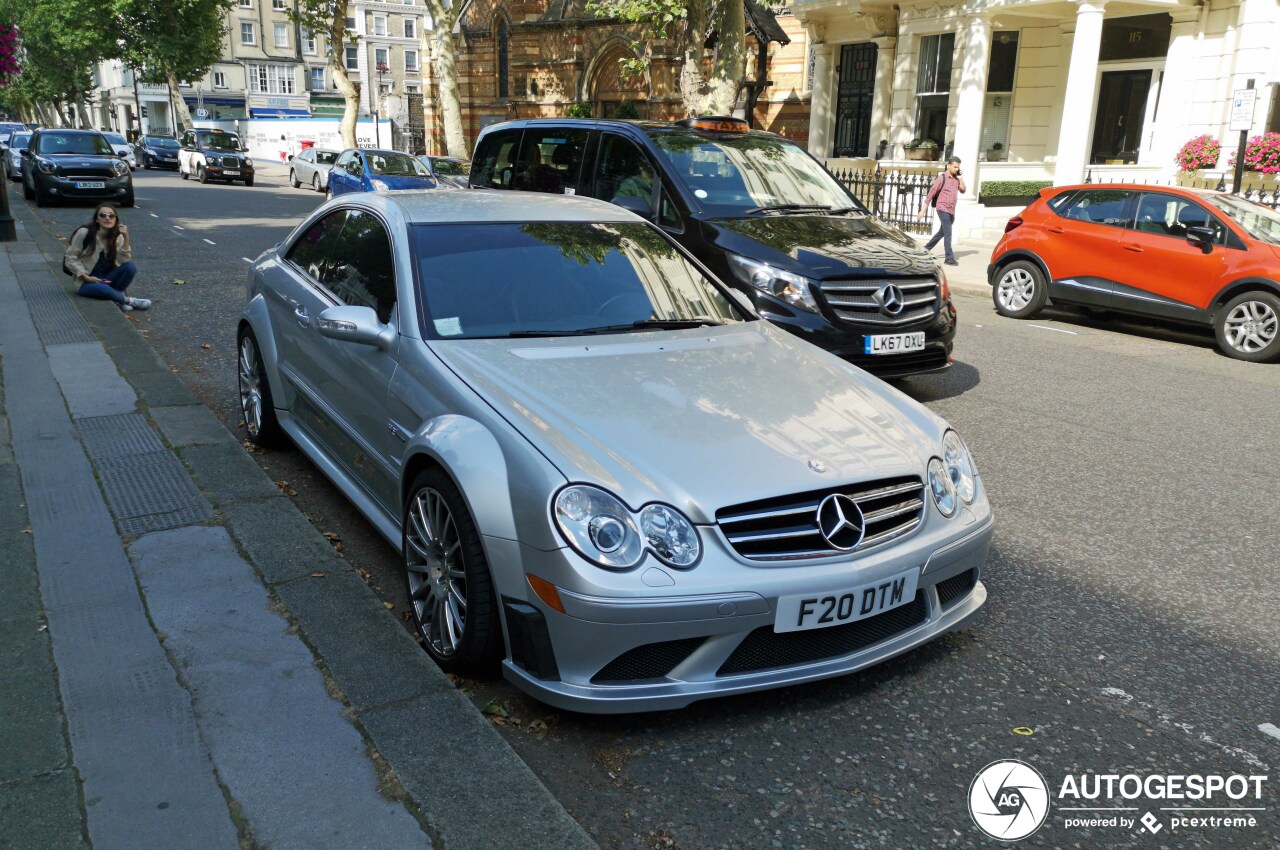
column 251, row 32
column 352, row 58
column 311, row 79
column 281, row 31
column 410, row 28
column 380, row 19
column 415, row 67
column 385, row 60
column 310, row 46
column 278, row 5
column 246, row 4
column 271, row 79
column 219, row 79
column 349, row 24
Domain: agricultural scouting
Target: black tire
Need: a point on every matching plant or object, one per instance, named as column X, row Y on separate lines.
column 202, row 175
column 27, row 191
column 257, row 409
column 182, row 173
column 1248, row 327
column 436, row 582
column 249, row 182
column 293, row 180
column 42, row 199
column 146, row 162
column 1020, row 290
column 127, row 202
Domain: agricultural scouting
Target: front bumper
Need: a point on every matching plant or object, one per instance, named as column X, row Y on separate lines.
column 74, row 187
column 619, row 655
column 218, row 172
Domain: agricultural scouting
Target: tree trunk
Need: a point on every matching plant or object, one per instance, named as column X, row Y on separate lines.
column 713, row 94
column 180, row 110
column 338, row 65
column 455, row 142
column 82, row 111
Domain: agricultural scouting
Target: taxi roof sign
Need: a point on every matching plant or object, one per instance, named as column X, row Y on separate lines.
column 718, row 124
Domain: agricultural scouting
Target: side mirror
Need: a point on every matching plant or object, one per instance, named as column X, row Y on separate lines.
column 635, row 204
column 355, row 324
column 290, row 156
column 1201, row 236
column 124, row 155
column 26, row 153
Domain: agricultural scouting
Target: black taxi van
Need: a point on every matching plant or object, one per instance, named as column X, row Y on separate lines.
column 761, row 213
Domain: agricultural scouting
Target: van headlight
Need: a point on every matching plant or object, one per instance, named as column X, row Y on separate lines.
column 794, row 289
column 604, row 531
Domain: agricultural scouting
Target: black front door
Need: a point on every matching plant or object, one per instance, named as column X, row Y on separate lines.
column 1122, row 108
column 853, row 100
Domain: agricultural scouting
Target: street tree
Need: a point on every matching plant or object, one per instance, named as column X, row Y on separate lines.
column 60, row 40
column 690, row 26
column 443, row 18
column 330, row 17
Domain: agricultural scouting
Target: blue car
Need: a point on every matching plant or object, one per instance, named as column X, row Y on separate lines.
column 363, row 170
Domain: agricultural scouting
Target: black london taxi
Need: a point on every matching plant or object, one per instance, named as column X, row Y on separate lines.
column 761, row 213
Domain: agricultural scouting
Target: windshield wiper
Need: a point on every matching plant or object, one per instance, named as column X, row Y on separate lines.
column 655, row 325
column 788, row 208
column 847, row 210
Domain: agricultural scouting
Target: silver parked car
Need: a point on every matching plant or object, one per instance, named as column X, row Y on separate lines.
column 311, row 168
column 13, row 154
column 602, row 470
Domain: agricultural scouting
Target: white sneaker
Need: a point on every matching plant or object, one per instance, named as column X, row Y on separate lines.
column 140, row 303
column 125, row 306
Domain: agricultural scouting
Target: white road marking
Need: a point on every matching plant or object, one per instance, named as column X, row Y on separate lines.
column 180, row 227
column 1167, row 720
column 211, row 242
column 247, row 260
column 153, row 215
column 1269, row 729
column 1055, row 330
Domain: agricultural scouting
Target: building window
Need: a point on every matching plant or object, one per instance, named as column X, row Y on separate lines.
column 933, row 86
column 317, row 79
column 353, row 59
column 278, row 5
column 219, row 80
column 412, row 89
column 411, row 61
column 270, row 79
column 309, row 43
column 503, row 68
column 380, row 57
column 410, row 28
column 379, row 26
column 246, row 4
column 350, row 23
column 246, row 33
column 998, row 106
column 282, row 35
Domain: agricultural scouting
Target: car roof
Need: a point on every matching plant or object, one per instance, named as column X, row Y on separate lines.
column 1139, row 187
column 642, row 127
column 491, row 206
column 68, row 131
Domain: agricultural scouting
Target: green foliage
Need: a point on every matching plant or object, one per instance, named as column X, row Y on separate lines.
column 626, row 110
column 921, row 143
column 1012, row 188
column 578, row 110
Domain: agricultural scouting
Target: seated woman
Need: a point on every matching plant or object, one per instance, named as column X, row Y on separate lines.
column 104, row 243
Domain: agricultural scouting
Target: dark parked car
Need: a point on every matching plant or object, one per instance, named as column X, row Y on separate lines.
column 448, row 169
column 74, row 165
column 761, row 213
column 156, row 152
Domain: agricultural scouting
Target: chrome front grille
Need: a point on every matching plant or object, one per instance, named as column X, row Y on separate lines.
column 855, row 300
column 786, row 527
column 230, row 162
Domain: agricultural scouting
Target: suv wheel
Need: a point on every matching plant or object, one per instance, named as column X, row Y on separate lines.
column 1248, row 327
column 1020, row 291
column 451, row 595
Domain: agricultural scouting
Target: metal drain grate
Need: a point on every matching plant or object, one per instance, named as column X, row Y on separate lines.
column 151, row 491
column 117, row 436
column 56, row 319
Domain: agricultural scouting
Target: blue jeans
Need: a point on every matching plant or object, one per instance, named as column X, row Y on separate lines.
column 118, row 280
column 944, row 233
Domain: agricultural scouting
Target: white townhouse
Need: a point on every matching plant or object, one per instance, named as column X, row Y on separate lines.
column 1055, row 90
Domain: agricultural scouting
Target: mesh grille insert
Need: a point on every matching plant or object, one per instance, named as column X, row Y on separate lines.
column 651, row 661
column 955, row 587
column 765, row 649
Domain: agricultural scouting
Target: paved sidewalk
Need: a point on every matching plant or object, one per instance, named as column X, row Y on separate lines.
column 184, row 661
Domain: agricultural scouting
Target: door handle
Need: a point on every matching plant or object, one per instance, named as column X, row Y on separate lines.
column 1055, row 230
column 304, row 318
column 1131, row 246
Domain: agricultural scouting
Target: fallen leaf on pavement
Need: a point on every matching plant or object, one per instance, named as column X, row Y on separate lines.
column 318, row 575
column 286, row 489
column 495, row 708
column 206, row 346
column 391, row 606
column 177, row 281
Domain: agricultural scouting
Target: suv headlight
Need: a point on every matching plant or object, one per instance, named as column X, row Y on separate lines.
column 794, row 289
column 45, row 166
column 120, row 167
column 604, row 531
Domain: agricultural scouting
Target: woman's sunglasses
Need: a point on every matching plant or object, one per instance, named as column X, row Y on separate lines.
column 106, row 215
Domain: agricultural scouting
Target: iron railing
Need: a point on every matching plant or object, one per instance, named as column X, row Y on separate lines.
column 893, row 196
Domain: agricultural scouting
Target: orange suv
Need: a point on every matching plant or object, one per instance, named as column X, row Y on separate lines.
column 1202, row 258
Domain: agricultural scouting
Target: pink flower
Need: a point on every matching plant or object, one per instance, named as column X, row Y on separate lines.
column 1200, row 152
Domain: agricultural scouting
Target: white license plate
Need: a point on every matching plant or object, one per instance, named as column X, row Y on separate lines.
column 90, row 184
column 231, row 173
column 819, row 610
column 893, row 343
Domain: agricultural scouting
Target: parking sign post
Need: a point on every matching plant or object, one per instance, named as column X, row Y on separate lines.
column 1241, row 119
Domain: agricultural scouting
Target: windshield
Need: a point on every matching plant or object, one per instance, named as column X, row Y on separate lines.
column 749, row 175
column 451, row 167
column 19, row 140
column 575, row 277
column 161, row 142
column 221, row 141
column 326, row 157
column 82, row 144
column 115, row 139
column 396, row 165
column 1261, row 223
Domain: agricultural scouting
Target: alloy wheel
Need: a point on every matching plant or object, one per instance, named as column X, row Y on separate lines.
column 1251, row 326
column 250, row 386
column 1016, row 289
column 437, row 578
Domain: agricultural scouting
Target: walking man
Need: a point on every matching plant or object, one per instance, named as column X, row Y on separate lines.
column 942, row 196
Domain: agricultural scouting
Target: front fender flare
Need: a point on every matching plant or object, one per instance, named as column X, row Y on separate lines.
column 471, row 456
column 255, row 316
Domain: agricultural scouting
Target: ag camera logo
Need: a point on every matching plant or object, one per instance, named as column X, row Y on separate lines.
column 1009, row 800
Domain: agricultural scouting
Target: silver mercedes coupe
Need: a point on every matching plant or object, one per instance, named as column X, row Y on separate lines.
column 604, row 472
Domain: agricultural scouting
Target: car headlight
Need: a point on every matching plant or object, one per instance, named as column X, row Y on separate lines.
column 604, row 531
column 794, row 289
column 248, row 162
column 959, row 464
column 120, row 166
column 45, row 167
column 380, row 186
column 942, row 487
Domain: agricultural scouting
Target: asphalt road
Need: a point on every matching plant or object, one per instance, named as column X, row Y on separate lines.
column 1131, row 625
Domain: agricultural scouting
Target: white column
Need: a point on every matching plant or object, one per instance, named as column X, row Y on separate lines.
column 882, row 100
column 1055, row 117
column 821, row 119
column 1172, row 128
column 970, row 101
column 1082, row 90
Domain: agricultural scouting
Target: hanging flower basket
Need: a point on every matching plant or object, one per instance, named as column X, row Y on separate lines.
column 1199, row 153
column 1262, row 154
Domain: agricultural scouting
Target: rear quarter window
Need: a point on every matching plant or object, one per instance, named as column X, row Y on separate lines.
column 494, row 164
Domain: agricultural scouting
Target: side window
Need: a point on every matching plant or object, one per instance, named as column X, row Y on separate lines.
column 356, row 166
column 624, row 171
column 343, row 159
column 550, row 160
column 362, row 272
column 1171, row 215
column 1113, row 207
column 313, row 250
column 494, row 165
column 188, row 139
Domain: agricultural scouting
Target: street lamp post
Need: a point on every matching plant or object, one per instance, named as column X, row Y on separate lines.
column 377, row 106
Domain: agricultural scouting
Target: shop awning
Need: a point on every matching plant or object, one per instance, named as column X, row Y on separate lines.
column 215, row 101
column 276, row 112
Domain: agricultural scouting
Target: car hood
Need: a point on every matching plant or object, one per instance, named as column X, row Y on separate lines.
column 405, row 182
column 69, row 160
column 821, row 246
column 700, row 419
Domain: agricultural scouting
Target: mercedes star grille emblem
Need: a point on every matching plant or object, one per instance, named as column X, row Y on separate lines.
column 891, row 299
column 817, row 466
column 840, row 521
